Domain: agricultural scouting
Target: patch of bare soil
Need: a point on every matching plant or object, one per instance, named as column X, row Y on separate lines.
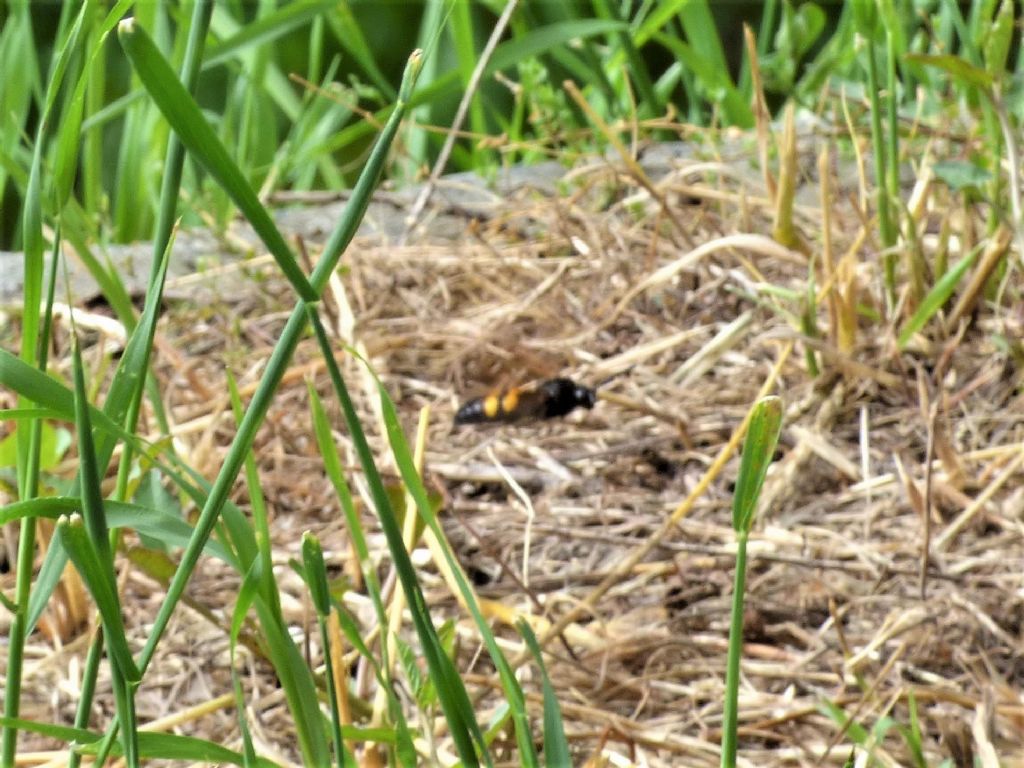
column 619, row 518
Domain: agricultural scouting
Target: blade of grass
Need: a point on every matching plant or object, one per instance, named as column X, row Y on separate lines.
column 246, row 595
column 93, row 557
column 28, row 440
column 315, row 571
column 549, row 38
column 937, row 297
column 451, row 692
column 414, row 486
column 758, row 450
column 198, row 137
column 22, row 82
column 164, row 526
column 556, row 746
column 267, row 28
column 381, row 669
column 277, row 365
column 650, row 105
column 293, row 674
column 96, row 575
column 350, row 37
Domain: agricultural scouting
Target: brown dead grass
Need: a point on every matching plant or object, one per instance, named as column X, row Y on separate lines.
column 598, row 283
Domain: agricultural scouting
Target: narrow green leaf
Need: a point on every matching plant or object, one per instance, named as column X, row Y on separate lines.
column 350, row 36
column 316, row 573
column 51, row 730
column 90, row 471
column 548, row 38
column 198, row 137
column 854, row 730
column 758, row 450
column 265, row 29
column 259, row 589
column 414, row 484
column 454, row 700
column 276, row 366
column 53, row 445
column 159, row 524
column 998, row 40
column 556, row 746
column 716, row 85
column 955, row 66
column 96, row 575
column 172, row 746
column 960, row 174
column 936, row 297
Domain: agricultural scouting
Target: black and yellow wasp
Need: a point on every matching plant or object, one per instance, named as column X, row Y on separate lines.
column 541, row 400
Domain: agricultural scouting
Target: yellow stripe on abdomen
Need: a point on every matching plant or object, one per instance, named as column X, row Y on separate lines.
column 492, row 406
column 509, row 402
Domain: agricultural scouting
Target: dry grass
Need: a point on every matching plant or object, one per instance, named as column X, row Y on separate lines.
column 598, row 283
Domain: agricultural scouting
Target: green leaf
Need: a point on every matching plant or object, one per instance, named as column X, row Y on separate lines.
column 198, row 137
column 316, row 573
column 556, row 746
column 997, row 42
column 959, row 174
column 546, row 38
column 58, row 732
column 758, row 450
column 54, row 444
column 159, row 524
column 171, row 746
column 267, row 28
column 856, row 731
column 96, row 575
column 865, row 17
column 451, row 692
column 936, row 297
column 715, row 83
column 956, row 67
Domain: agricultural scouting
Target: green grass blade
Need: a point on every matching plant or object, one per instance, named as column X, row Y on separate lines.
column 278, row 363
column 28, row 440
column 556, row 746
column 711, row 68
column 23, row 87
column 166, row 527
column 29, row 381
column 76, row 229
column 549, row 38
column 730, row 709
column 414, row 485
column 246, row 595
column 454, row 700
column 315, row 571
column 649, row 102
column 51, row 730
column 350, row 36
column 382, row 668
column 93, row 557
column 174, row 747
column 92, row 497
column 335, row 473
column 260, row 589
column 198, row 137
column 936, row 297
column 98, row 578
column 758, row 451
column 265, row 29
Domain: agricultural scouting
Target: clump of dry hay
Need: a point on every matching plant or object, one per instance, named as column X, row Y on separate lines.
column 663, row 302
